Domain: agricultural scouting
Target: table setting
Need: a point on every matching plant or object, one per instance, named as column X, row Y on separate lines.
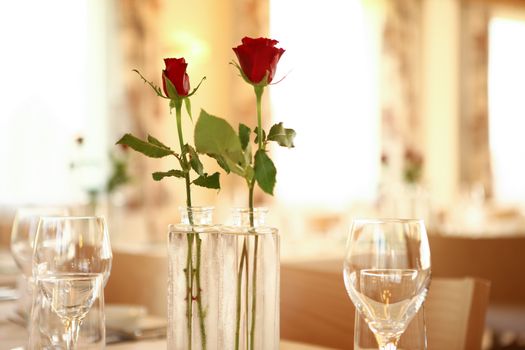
column 223, row 282
column 129, row 327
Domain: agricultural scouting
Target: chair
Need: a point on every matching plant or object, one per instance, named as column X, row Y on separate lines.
column 139, row 278
column 316, row 309
column 455, row 313
column 497, row 259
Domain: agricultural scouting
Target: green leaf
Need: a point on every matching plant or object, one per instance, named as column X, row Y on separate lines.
column 244, row 135
column 214, row 135
column 221, row 161
column 159, row 175
column 185, row 165
column 247, row 153
column 172, row 91
column 211, row 181
column 156, row 142
column 236, row 168
column 187, row 104
column 194, row 160
column 284, row 137
column 265, row 172
column 257, row 135
column 146, row 148
column 249, row 173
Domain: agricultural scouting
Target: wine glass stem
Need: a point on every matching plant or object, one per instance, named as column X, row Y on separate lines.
column 72, row 328
column 387, row 343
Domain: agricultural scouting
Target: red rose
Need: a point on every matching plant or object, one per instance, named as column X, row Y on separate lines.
column 176, row 73
column 258, row 57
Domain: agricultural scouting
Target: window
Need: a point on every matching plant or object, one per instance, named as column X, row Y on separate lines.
column 507, row 107
column 330, row 97
column 52, row 90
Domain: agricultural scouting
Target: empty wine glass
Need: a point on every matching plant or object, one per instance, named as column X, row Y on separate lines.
column 71, row 263
column 22, row 238
column 387, row 274
column 413, row 338
column 23, row 233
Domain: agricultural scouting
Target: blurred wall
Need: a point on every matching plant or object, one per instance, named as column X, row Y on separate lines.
column 441, row 97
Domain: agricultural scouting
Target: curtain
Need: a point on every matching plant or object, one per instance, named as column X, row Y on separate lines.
column 134, row 108
column 400, row 85
column 475, row 166
column 401, row 121
column 139, row 111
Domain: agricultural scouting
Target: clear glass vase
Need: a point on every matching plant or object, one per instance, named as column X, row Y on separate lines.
column 249, row 291
column 193, row 282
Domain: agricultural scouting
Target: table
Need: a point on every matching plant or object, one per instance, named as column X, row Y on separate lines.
column 13, row 336
column 161, row 344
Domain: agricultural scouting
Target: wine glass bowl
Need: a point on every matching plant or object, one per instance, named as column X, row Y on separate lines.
column 387, row 274
column 71, row 295
column 23, row 234
column 71, row 264
column 72, row 245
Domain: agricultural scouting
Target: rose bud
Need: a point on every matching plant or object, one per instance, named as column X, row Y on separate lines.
column 176, row 73
column 258, row 58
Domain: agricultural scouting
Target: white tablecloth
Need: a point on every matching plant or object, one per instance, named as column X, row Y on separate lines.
column 13, row 336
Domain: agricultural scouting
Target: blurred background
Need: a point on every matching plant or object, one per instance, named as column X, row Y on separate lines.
column 402, row 108
column 410, row 108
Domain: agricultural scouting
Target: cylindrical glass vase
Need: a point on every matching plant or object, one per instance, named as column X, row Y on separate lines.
column 193, row 282
column 249, row 291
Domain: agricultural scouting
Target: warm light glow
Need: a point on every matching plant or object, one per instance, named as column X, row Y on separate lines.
column 189, row 45
column 507, row 108
column 330, row 97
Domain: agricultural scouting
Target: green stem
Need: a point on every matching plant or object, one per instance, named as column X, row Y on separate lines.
column 259, row 90
column 246, row 290
column 244, row 262
column 192, row 275
column 239, row 289
column 178, row 115
column 254, row 292
column 189, row 287
column 189, row 261
column 251, row 187
column 198, row 296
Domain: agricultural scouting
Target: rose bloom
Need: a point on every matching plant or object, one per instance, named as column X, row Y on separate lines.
column 258, row 57
column 176, row 72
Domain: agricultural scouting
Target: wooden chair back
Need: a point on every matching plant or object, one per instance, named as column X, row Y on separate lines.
column 316, row 309
column 139, row 278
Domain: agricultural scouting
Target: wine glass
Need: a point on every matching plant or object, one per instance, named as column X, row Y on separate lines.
column 23, row 233
column 71, row 264
column 387, row 274
column 22, row 238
